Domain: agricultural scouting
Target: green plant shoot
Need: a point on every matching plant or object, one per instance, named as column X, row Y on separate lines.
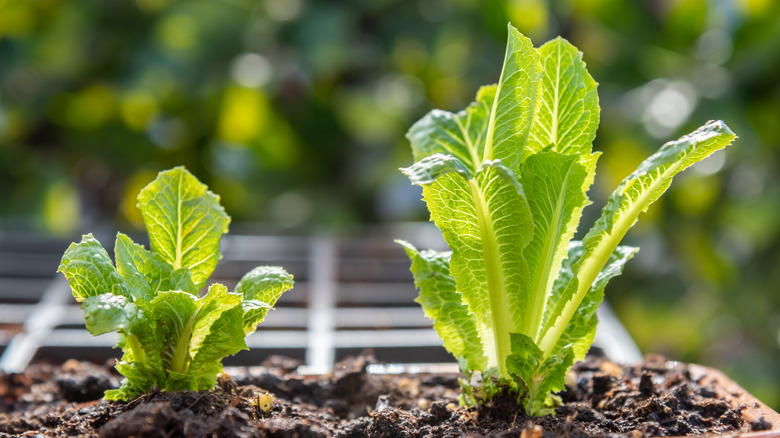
column 506, row 180
column 172, row 338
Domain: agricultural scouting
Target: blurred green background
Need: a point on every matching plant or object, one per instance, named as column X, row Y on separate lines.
column 294, row 111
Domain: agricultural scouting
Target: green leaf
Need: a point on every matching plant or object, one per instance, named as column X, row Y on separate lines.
column 525, row 358
column 106, row 313
column 429, row 168
column 185, row 222
column 225, row 337
column 181, row 382
column 444, row 305
column 496, row 125
column 550, row 379
column 461, row 135
column 192, row 332
column 173, row 315
column 89, row 270
column 632, row 197
column 205, row 330
column 146, row 272
column 261, row 288
column 581, row 330
column 487, row 236
column 539, row 375
column 568, row 116
column 556, row 187
column 139, row 379
column 516, row 100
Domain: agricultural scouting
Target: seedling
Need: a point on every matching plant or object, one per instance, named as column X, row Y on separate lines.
column 505, row 181
column 172, row 338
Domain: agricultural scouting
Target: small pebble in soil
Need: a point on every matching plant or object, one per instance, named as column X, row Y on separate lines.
column 382, row 402
column 602, row 384
column 708, row 392
column 646, row 387
column 760, row 424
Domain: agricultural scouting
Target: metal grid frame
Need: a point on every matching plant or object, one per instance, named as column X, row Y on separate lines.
column 352, row 292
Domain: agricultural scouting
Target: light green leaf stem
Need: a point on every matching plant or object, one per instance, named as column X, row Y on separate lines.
column 555, row 185
column 487, row 223
column 634, row 195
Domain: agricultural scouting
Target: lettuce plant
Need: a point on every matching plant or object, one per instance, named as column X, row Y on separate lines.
column 172, row 338
column 506, row 181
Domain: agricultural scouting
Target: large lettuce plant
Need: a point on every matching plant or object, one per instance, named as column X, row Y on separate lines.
column 506, row 180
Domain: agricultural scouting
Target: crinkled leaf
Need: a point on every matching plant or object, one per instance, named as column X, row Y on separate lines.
column 261, row 288
column 139, row 379
column 90, row 271
column 185, row 222
column 497, row 124
column 210, row 332
column 225, row 338
column 487, row 233
column 461, row 135
column 146, row 272
column 181, row 382
column 550, row 379
column 556, row 187
column 516, row 100
column 525, row 358
column 632, row 197
column 173, row 314
column 539, row 374
column 195, row 331
column 106, row 313
column 429, row 168
column 582, row 328
column 444, row 305
column 568, row 115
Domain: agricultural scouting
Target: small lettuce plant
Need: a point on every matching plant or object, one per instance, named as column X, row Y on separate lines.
column 172, row 338
column 506, row 180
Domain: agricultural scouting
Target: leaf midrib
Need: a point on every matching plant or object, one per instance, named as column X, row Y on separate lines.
column 554, row 127
column 496, row 284
column 595, row 260
column 179, row 224
column 541, row 282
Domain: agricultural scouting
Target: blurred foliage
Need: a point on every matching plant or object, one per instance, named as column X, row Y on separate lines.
column 295, row 110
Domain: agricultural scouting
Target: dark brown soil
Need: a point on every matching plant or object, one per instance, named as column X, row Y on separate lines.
column 658, row 398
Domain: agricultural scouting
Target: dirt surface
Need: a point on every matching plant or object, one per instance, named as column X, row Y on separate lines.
column 658, row 398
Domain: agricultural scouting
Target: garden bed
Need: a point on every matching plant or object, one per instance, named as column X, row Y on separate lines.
column 656, row 398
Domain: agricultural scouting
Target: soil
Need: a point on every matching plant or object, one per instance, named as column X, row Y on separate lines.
column 656, row 398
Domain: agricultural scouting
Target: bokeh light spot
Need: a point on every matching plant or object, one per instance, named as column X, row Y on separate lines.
column 251, row 70
column 244, row 113
column 715, row 46
column 62, row 208
column 178, row 31
column 434, row 10
column 283, row 10
column 291, row 209
column 138, row 109
column 151, row 6
column 85, row 110
column 129, row 204
column 712, row 164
